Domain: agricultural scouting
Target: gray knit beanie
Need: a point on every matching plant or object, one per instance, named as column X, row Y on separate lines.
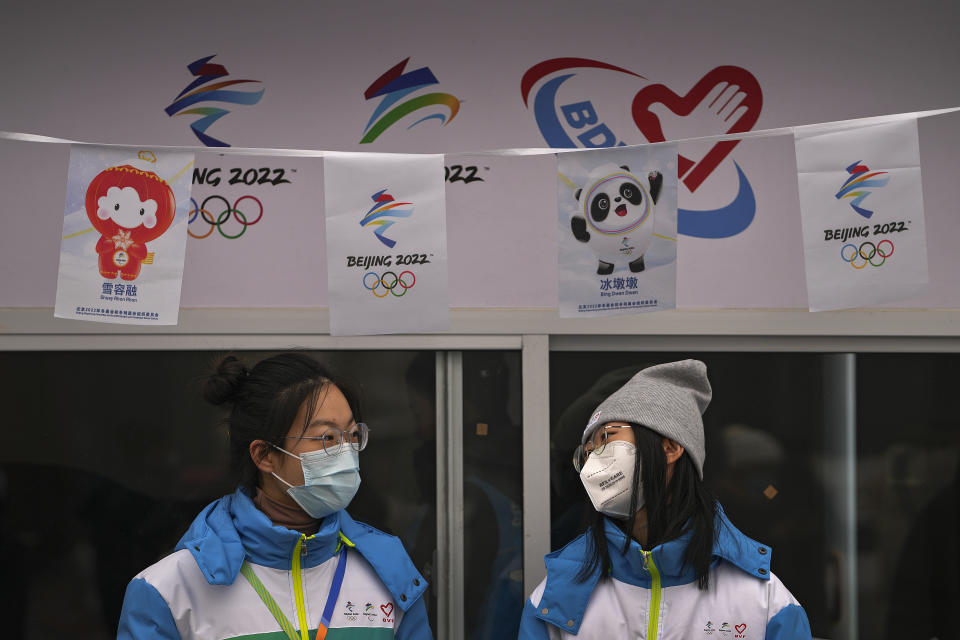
column 668, row 398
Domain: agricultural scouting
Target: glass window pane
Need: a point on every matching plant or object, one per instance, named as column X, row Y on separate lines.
column 492, row 494
column 908, row 495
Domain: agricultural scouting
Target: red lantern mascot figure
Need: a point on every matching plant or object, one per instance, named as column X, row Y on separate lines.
column 129, row 207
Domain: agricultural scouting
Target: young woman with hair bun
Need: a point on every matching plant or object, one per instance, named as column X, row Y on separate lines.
column 280, row 557
column 660, row 560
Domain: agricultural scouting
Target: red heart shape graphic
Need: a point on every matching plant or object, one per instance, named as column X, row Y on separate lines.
column 387, row 609
column 741, row 628
column 649, row 123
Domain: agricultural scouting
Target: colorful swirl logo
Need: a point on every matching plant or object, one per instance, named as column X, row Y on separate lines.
column 385, row 206
column 217, row 221
column 389, row 282
column 393, row 86
column 867, row 252
column 861, row 178
column 195, row 93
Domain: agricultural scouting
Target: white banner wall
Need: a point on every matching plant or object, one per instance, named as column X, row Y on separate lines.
column 500, row 75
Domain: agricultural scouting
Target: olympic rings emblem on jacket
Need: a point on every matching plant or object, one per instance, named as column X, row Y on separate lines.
column 218, row 221
column 389, row 282
column 867, row 252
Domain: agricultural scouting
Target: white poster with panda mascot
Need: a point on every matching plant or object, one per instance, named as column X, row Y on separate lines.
column 617, row 227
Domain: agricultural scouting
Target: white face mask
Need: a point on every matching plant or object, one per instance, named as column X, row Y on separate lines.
column 329, row 481
column 608, row 477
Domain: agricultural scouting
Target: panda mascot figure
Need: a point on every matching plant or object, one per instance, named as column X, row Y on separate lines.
column 618, row 216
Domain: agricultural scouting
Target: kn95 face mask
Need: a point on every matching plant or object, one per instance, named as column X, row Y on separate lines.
column 608, row 477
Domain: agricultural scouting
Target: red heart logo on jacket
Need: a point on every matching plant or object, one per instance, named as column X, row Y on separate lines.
column 741, row 628
column 387, row 609
column 736, row 81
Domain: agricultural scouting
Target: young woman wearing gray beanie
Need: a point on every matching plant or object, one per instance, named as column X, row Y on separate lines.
column 660, row 559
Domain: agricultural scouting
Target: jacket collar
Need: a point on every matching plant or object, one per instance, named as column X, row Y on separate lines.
column 564, row 599
column 232, row 528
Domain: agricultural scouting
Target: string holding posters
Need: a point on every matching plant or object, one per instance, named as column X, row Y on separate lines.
column 386, row 243
column 124, row 235
column 861, row 203
column 617, row 230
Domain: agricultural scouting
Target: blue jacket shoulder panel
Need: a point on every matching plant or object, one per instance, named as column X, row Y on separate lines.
column 790, row 623
column 564, row 598
column 389, row 560
column 743, row 552
column 145, row 614
column 415, row 625
column 531, row 627
column 215, row 543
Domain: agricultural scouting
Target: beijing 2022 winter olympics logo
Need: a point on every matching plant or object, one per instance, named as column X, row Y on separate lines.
column 395, row 85
column 731, row 96
column 385, row 206
column 195, row 93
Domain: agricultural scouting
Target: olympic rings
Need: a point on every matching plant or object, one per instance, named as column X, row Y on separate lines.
column 389, row 286
column 217, row 222
column 868, row 252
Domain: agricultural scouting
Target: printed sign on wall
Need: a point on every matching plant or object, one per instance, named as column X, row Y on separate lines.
column 861, row 202
column 124, row 235
column 617, row 227
column 386, row 243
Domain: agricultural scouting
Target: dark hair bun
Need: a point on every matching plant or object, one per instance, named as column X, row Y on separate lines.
column 224, row 385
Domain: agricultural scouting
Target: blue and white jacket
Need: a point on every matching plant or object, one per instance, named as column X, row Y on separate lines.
column 652, row 595
column 197, row 591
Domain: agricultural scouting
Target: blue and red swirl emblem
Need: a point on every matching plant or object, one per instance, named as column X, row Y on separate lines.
column 195, row 93
column 858, row 186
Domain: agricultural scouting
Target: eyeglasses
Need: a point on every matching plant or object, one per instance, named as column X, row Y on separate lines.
column 332, row 440
column 596, row 444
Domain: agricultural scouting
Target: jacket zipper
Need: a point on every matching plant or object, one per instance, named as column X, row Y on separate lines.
column 300, row 550
column 653, row 619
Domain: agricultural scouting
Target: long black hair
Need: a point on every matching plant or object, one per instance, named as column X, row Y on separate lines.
column 265, row 401
column 683, row 505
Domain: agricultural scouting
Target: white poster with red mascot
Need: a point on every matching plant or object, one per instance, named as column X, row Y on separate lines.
column 124, row 235
column 386, row 243
column 617, row 230
column 861, row 202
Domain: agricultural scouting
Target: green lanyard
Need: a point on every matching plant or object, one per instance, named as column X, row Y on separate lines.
column 271, row 604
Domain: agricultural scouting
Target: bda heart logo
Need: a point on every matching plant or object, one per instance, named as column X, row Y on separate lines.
column 735, row 78
column 387, row 609
column 730, row 96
